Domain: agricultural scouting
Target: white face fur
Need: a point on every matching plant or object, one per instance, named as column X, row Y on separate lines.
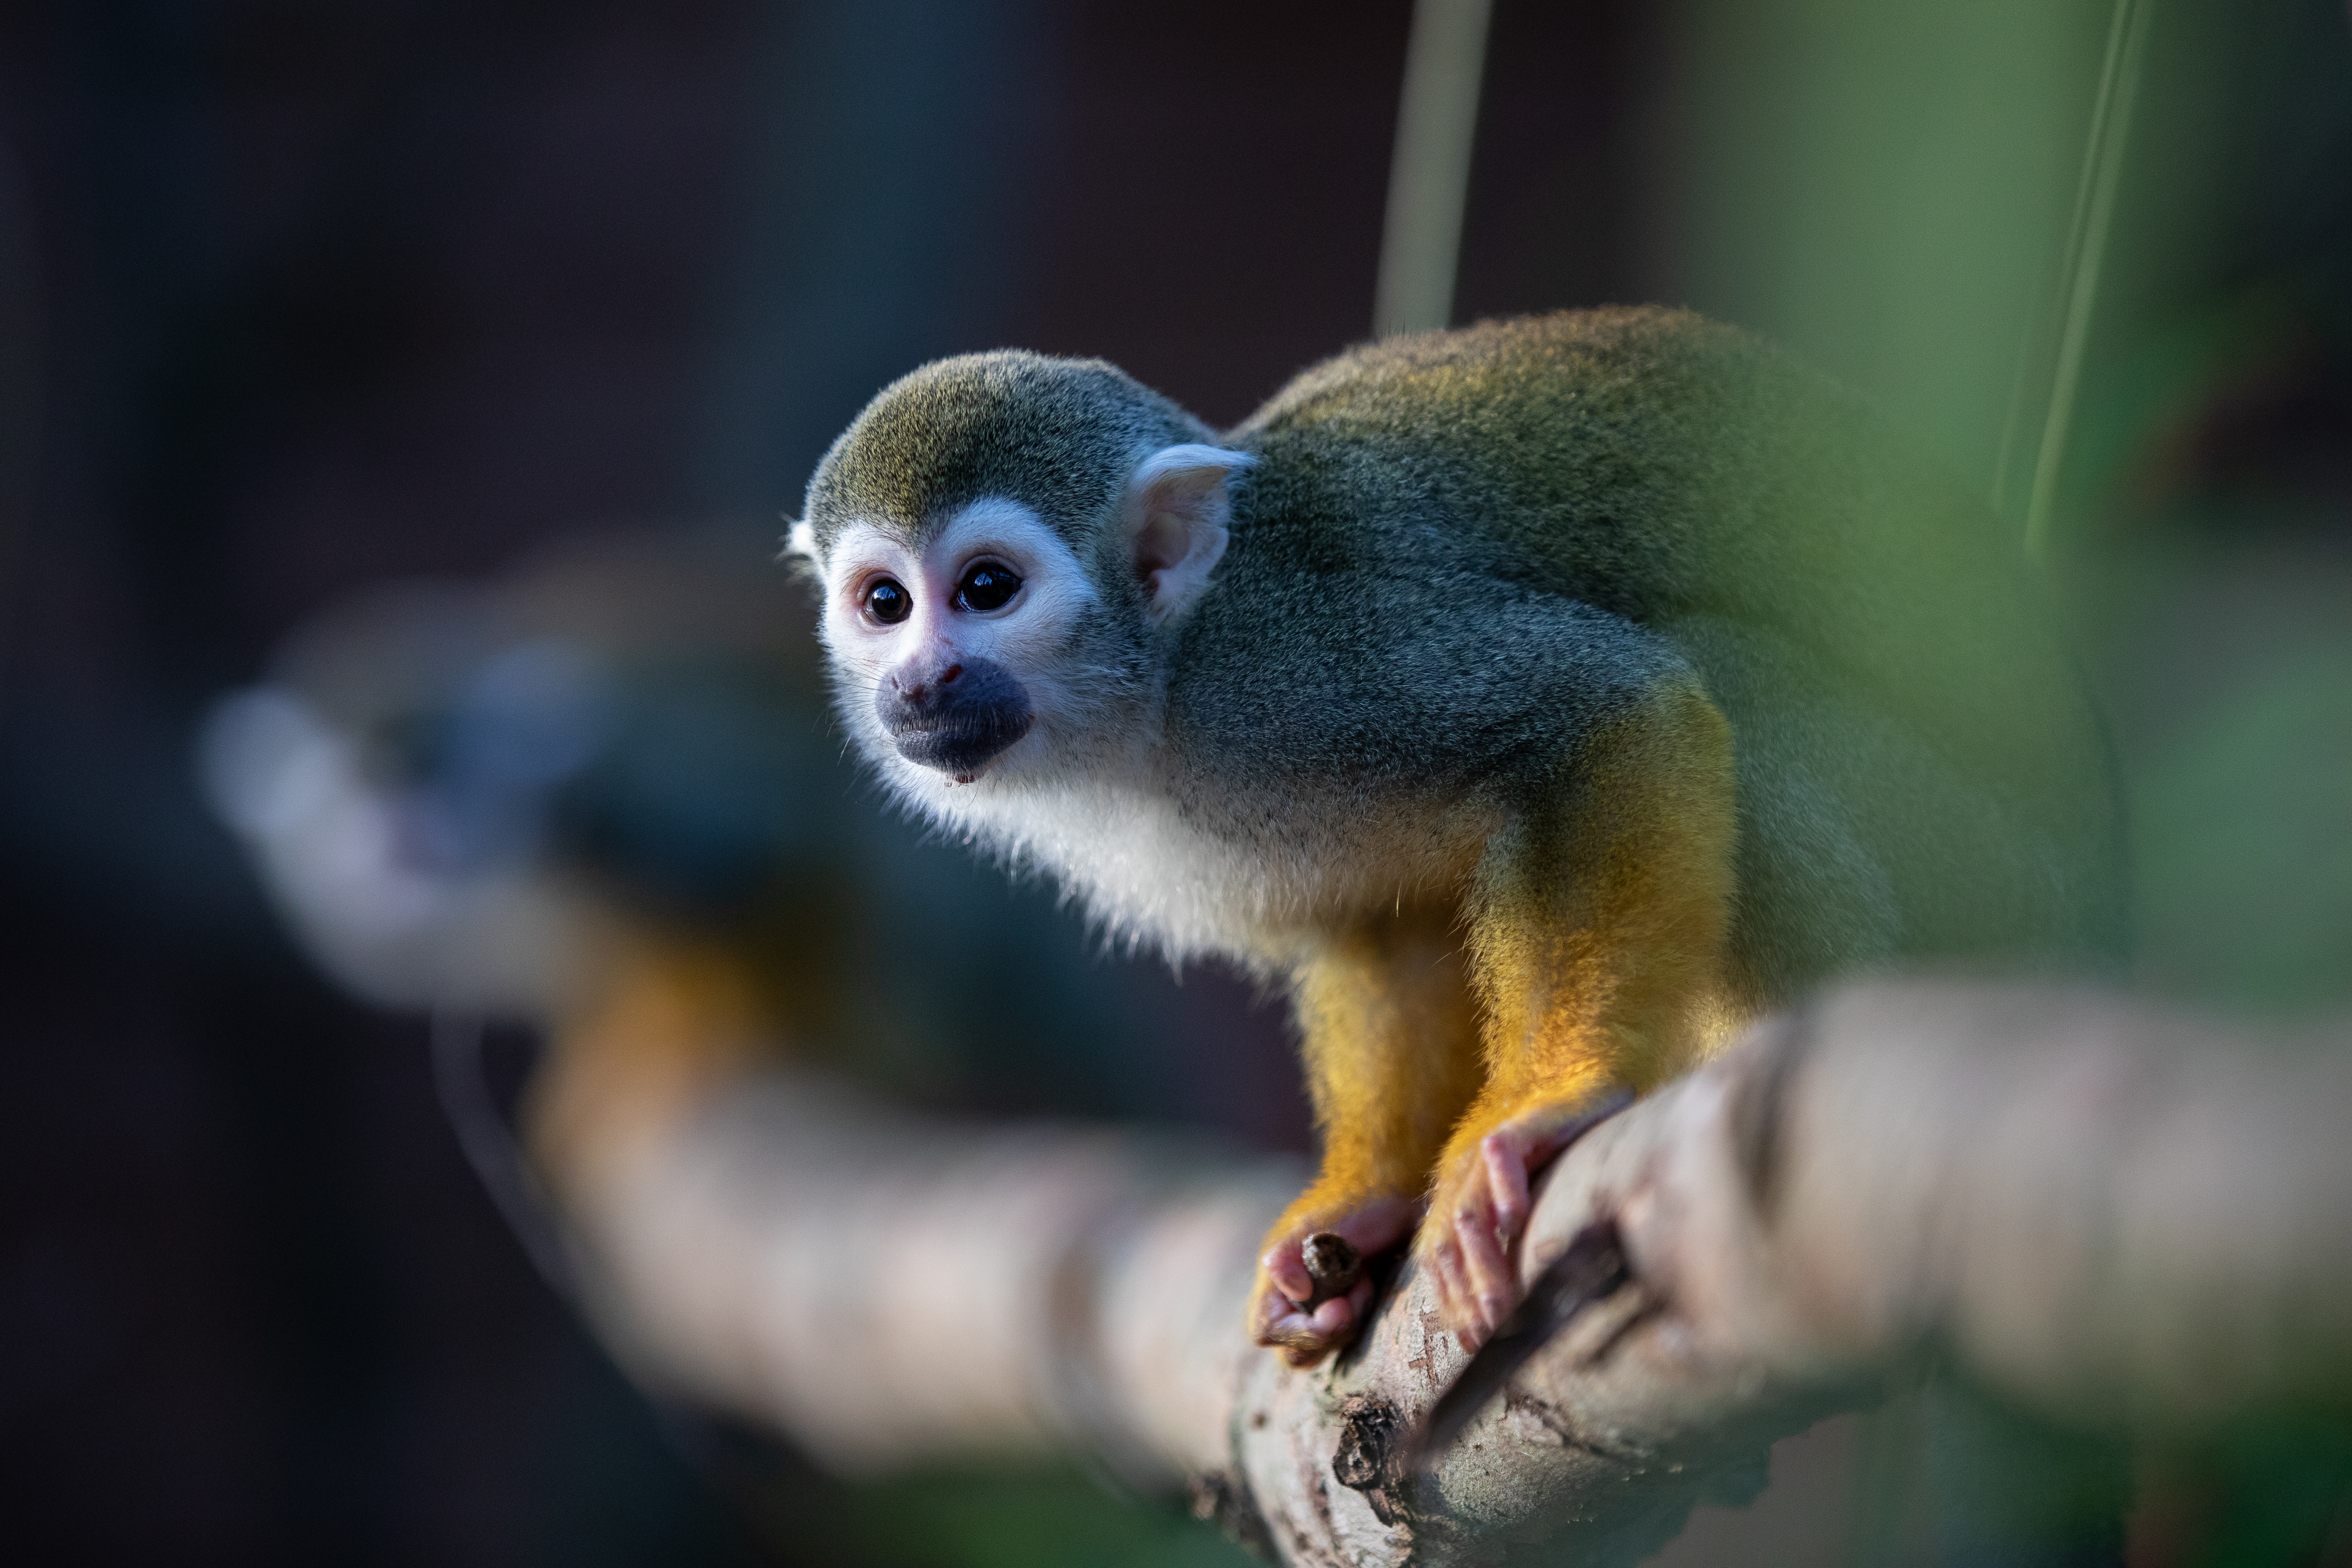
column 996, row 595
column 891, row 611
column 995, row 591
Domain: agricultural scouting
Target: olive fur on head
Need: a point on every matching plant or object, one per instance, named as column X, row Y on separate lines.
column 1058, row 436
column 1100, row 501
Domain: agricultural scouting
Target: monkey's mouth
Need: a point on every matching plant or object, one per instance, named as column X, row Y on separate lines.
column 962, row 751
column 958, row 720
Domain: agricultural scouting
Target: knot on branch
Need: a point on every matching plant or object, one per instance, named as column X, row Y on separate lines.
column 1368, row 1433
column 1370, row 1428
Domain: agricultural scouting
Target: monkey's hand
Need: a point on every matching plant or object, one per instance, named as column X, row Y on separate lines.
column 1480, row 1205
column 1306, row 1317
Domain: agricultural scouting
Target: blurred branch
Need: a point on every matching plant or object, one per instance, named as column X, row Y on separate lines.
column 2107, row 1213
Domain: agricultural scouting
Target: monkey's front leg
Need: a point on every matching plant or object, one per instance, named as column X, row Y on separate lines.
column 1391, row 1053
column 1598, row 924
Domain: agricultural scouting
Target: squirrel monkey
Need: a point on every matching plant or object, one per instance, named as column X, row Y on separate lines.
column 1539, row 701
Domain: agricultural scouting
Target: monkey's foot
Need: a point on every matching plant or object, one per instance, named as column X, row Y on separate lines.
column 1312, row 1291
column 1480, row 1206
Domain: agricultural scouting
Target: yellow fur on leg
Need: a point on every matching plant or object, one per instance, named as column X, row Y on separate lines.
column 1391, row 1054
column 1598, row 934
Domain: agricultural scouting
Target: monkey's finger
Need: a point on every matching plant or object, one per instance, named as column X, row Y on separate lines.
column 1270, row 1314
column 1306, row 1338
column 1283, row 1325
column 1332, row 1318
column 1453, row 1294
column 1506, row 1181
column 1287, row 1267
column 1485, row 1264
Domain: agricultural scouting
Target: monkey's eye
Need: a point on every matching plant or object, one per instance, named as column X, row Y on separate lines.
column 886, row 602
column 986, row 586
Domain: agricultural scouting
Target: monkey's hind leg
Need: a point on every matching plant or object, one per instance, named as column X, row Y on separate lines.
column 1391, row 1052
column 1599, row 922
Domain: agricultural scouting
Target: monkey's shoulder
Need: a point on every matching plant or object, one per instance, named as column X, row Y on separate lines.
column 1428, row 679
column 1528, row 392
column 1655, row 465
column 1634, row 458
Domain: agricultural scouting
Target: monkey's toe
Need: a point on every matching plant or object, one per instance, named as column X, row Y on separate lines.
column 1305, row 1335
column 1469, row 1243
column 1313, row 1292
column 1467, row 1247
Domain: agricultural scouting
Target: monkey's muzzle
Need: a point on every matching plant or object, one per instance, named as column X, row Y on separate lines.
column 958, row 720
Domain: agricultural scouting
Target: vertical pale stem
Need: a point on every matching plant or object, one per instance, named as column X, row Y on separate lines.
column 2094, row 205
column 1436, row 122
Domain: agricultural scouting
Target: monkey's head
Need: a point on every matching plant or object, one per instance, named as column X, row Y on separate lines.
column 1007, row 543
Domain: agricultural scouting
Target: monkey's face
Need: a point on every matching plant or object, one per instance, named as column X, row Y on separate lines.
column 987, row 644
column 951, row 645
column 1006, row 543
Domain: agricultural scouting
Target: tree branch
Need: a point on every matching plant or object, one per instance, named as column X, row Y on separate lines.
column 2116, row 1216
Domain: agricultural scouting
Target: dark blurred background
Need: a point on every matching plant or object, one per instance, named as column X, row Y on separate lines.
column 297, row 297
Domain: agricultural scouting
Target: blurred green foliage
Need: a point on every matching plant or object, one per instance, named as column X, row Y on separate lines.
column 1048, row 1520
column 2244, row 826
column 1887, row 187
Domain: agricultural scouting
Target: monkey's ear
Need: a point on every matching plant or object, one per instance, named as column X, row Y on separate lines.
column 1176, row 508
column 799, row 557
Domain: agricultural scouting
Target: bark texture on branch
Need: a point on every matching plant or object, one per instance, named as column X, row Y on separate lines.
column 2114, row 1216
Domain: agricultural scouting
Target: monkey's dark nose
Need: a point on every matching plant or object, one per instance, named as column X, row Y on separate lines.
column 919, row 691
column 958, row 720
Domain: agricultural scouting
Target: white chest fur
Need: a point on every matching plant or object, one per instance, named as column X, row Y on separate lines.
column 1251, row 879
